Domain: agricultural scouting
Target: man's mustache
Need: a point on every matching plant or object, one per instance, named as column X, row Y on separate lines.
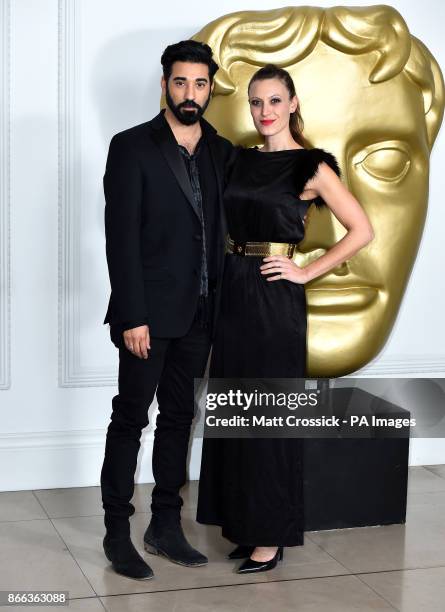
column 189, row 103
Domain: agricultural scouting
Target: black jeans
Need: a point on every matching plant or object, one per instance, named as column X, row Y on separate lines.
column 171, row 367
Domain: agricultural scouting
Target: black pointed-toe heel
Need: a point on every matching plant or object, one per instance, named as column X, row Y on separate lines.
column 241, row 552
column 250, row 566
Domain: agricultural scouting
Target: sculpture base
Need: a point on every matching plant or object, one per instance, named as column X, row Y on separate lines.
column 356, row 482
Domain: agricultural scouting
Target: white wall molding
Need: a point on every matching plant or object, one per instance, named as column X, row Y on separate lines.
column 62, row 459
column 52, row 440
column 71, row 372
column 405, row 365
column 5, row 195
column 52, row 455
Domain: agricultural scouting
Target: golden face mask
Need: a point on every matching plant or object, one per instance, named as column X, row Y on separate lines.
column 373, row 95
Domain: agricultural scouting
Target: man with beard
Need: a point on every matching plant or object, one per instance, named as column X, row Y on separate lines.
column 165, row 235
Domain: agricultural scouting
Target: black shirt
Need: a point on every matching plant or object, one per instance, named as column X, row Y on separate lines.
column 193, row 171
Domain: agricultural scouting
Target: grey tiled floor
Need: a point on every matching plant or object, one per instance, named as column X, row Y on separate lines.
column 52, row 539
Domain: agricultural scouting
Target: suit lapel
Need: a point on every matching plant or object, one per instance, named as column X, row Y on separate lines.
column 164, row 138
column 218, row 166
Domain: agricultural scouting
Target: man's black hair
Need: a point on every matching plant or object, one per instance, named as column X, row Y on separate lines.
column 188, row 51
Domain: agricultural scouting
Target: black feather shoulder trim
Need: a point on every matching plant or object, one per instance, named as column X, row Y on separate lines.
column 311, row 166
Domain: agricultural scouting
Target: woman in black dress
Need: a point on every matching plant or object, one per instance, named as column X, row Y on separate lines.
column 253, row 487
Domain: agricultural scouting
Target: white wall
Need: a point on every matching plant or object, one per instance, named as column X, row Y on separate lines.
column 73, row 73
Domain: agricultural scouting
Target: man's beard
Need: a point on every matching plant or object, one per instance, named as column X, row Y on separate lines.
column 186, row 117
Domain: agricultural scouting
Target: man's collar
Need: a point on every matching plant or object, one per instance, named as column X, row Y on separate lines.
column 160, row 121
column 184, row 151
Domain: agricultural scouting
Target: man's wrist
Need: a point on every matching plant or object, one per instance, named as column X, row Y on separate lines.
column 132, row 324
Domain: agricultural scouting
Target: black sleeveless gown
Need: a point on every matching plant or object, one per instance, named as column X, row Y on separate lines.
column 253, row 487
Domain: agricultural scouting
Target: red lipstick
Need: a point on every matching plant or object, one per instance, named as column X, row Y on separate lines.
column 267, row 121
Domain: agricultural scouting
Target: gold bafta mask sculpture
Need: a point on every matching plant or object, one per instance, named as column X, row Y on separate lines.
column 373, row 95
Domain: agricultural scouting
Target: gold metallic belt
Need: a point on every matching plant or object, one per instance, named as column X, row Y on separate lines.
column 260, row 249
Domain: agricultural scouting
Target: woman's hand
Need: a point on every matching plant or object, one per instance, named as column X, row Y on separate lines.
column 284, row 268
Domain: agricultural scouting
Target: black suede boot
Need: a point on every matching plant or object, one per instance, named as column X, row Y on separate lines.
column 125, row 559
column 165, row 537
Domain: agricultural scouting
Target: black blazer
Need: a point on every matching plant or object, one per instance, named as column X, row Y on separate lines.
column 153, row 231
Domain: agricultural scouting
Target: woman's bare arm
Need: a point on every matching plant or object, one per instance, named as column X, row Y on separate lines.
column 349, row 213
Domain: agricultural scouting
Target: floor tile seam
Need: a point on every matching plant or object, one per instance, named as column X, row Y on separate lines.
column 57, row 518
column 73, row 557
column 40, row 503
column 433, row 472
column 275, row 581
column 376, row 592
column 234, row 584
column 348, row 569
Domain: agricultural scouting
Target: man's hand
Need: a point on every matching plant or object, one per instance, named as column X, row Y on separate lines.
column 137, row 341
